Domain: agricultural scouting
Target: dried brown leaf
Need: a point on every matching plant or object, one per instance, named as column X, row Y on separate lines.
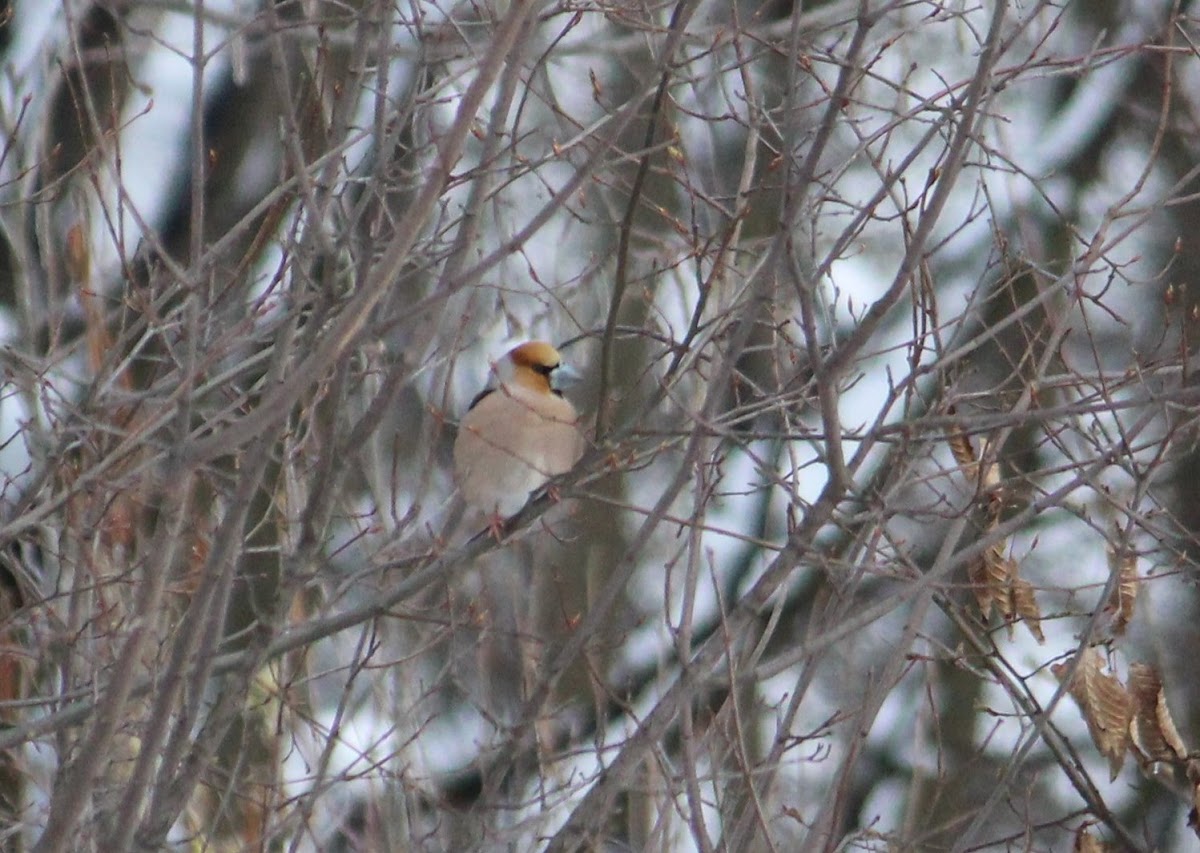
column 996, row 582
column 977, row 574
column 994, row 577
column 1123, row 563
column 1166, row 725
column 1085, row 842
column 1026, row 608
column 1145, row 687
column 997, row 573
column 964, row 453
column 1109, row 710
column 986, row 476
column 1107, row 707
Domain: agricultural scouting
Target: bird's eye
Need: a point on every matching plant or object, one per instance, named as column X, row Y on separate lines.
column 544, row 369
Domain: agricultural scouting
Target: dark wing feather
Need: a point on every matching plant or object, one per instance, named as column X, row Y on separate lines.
column 479, row 397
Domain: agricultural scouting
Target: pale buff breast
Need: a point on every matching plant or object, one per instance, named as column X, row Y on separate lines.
column 510, row 443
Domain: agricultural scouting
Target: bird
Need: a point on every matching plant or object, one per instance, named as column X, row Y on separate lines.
column 518, row 434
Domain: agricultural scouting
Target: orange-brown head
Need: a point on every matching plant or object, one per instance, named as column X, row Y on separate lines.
column 535, row 365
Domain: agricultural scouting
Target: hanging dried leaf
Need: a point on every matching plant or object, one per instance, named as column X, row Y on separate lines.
column 1166, row 725
column 1109, row 712
column 977, row 574
column 991, row 576
column 996, row 581
column 1145, row 687
column 995, row 577
column 1107, row 707
column 987, row 477
column 1123, row 563
column 1025, row 607
column 964, row 453
column 1085, row 842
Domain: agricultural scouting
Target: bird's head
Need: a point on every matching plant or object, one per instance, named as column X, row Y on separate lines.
column 536, row 365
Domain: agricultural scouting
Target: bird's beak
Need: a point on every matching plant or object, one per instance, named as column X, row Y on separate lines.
column 564, row 376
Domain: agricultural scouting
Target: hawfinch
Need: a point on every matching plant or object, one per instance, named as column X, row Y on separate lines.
column 516, row 436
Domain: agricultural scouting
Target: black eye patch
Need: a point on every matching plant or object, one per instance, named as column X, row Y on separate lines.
column 544, row 369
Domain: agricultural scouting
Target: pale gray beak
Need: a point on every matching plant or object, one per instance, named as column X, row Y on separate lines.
column 564, row 376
